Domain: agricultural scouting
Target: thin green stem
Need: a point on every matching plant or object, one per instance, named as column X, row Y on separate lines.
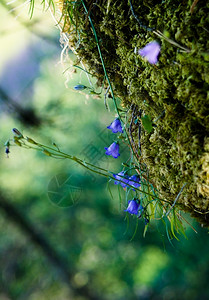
column 105, row 72
column 56, row 153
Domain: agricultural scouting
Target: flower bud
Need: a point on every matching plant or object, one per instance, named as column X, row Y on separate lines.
column 18, row 143
column 55, row 145
column 46, row 152
column 80, row 87
column 7, row 151
column 17, row 133
column 29, row 140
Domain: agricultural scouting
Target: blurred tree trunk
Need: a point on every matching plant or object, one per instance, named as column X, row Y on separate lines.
column 27, row 116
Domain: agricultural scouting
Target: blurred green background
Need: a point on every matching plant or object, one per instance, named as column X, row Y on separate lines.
column 63, row 234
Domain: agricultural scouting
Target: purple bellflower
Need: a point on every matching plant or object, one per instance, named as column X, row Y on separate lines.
column 115, row 126
column 113, row 150
column 151, row 52
column 134, row 181
column 134, row 208
column 122, row 177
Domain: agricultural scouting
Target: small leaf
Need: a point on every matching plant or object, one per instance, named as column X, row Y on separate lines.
column 173, row 227
column 145, row 230
column 147, row 123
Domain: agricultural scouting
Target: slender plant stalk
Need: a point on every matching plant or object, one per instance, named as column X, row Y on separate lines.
column 106, row 75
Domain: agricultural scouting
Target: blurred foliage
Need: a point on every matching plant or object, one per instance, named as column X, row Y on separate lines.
column 89, row 242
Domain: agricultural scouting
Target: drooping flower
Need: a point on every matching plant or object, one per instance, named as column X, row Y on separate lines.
column 113, row 150
column 122, row 177
column 151, row 52
column 134, row 207
column 80, row 87
column 134, row 181
column 115, row 126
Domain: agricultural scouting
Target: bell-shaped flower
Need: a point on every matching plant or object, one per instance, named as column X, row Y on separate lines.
column 134, row 207
column 115, row 126
column 113, row 150
column 134, row 181
column 122, row 177
column 151, row 52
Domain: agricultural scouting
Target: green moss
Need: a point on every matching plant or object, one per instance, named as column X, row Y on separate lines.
column 176, row 151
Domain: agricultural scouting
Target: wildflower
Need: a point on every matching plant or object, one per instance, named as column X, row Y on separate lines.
column 113, row 150
column 134, row 181
column 134, row 207
column 150, row 52
column 122, row 177
column 115, row 126
column 80, row 87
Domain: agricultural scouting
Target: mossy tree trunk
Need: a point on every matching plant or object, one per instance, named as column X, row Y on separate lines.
column 174, row 92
